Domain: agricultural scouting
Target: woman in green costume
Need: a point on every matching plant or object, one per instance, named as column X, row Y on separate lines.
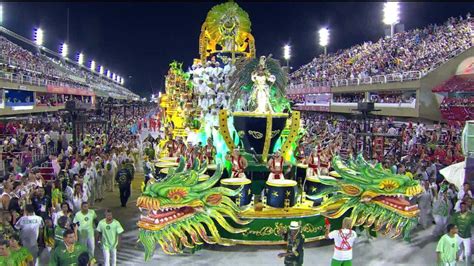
column 20, row 256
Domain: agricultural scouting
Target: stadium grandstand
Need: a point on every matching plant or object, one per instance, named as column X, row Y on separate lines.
column 415, row 74
column 35, row 79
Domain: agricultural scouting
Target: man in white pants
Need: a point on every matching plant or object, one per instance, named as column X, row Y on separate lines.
column 464, row 221
column 109, row 233
column 86, row 219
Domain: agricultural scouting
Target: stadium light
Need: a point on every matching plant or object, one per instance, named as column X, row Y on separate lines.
column 64, row 50
column 391, row 15
column 324, row 38
column 109, row 74
column 101, row 70
column 122, row 81
column 1, row 14
column 92, row 65
column 80, row 59
column 113, row 76
column 38, row 36
column 287, row 54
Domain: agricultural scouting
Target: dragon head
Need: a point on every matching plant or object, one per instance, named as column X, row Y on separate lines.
column 179, row 211
column 376, row 196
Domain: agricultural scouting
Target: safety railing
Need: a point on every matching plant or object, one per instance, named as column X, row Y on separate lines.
column 379, row 79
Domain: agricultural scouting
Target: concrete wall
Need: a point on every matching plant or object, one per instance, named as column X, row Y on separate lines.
column 429, row 107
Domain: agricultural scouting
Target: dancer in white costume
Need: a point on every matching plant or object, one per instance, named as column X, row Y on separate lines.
column 262, row 81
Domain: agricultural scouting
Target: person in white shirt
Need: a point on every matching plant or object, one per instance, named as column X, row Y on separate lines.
column 343, row 242
column 466, row 188
column 29, row 226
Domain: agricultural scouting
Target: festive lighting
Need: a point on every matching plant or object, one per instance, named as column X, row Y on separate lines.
column 101, row 70
column 1, row 14
column 391, row 13
column 38, row 36
column 287, row 52
column 80, row 59
column 92, row 65
column 324, row 37
column 64, row 50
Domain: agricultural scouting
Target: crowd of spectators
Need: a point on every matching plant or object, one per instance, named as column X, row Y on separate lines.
column 422, row 152
column 20, row 62
column 36, row 208
column 414, row 50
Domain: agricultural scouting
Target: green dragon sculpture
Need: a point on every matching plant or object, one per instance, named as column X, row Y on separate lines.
column 376, row 196
column 180, row 211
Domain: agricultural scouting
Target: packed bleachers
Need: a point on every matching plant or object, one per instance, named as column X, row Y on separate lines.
column 408, row 55
column 24, row 66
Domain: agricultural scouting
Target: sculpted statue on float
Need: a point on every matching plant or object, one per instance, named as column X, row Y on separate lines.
column 376, row 196
column 177, row 211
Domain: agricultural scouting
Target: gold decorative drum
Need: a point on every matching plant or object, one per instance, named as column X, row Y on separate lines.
column 168, row 159
column 313, row 186
column 163, row 165
column 281, row 193
column 245, row 195
column 211, row 168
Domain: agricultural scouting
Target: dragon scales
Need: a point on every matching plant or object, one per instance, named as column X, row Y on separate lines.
column 179, row 211
column 376, row 196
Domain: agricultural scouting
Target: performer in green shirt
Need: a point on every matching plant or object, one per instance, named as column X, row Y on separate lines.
column 59, row 231
column 448, row 247
column 464, row 221
column 87, row 219
column 68, row 254
column 109, row 233
column 20, row 255
column 5, row 256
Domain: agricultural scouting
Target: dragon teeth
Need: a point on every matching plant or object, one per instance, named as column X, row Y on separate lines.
column 157, row 221
column 166, row 219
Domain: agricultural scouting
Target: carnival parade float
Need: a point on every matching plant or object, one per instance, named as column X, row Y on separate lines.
column 237, row 180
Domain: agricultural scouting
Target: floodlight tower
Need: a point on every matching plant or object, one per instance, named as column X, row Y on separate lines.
column 92, row 66
column 38, row 36
column 64, row 50
column 324, row 39
column 1, row 15
column 287, row 54
column 80, row 59
column 391, row 15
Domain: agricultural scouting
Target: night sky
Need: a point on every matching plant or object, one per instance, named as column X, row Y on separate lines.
column 139, row 40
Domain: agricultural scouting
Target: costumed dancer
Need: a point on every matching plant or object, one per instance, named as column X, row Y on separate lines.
column 172, row 146
column 314, row 163
column 239, row 164
column 424, row 204
column 343, row 241
column 300, row 154
column 148, row 169
column 325, row 163
column 295, row 241
column 210, row 151
column 275, row 164
column 190, row 155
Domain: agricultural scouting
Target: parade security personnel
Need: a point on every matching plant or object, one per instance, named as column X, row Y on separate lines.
column 124, row 180
column 294, row 250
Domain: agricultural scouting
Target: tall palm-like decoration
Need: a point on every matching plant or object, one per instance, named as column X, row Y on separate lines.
column 241, row 81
